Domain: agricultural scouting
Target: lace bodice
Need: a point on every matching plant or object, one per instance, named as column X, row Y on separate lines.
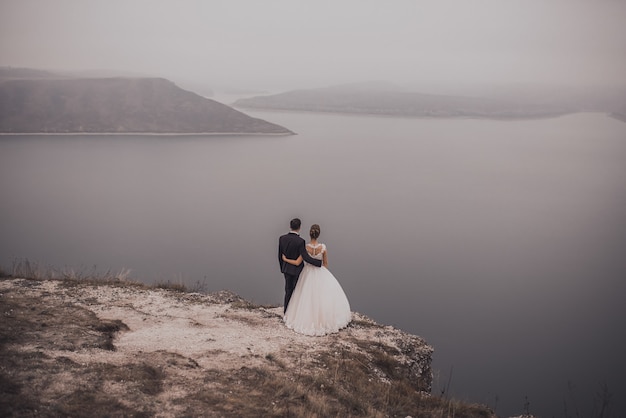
column 318, row 252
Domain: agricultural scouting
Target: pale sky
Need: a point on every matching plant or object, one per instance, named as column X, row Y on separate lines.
column 274, row 44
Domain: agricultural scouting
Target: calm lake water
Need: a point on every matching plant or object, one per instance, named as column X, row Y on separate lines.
column 502, row 243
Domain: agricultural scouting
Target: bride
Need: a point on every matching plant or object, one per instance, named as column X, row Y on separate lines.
column 318, row 305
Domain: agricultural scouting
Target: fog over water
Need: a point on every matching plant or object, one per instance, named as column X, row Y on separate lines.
column 500, row 242
column 284, row 44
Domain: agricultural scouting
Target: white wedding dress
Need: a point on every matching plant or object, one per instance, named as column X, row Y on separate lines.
column 318, row 305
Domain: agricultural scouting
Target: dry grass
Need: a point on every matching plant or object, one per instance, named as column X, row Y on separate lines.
column 341, row 386
column 24, row 268
column 178, row 287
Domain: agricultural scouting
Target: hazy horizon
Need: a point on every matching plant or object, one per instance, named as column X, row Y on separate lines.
column 281, row 44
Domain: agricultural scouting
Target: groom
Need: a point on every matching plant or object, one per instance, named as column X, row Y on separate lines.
column 292, row 245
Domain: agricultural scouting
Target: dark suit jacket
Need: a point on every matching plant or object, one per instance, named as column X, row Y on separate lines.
column 292, row 245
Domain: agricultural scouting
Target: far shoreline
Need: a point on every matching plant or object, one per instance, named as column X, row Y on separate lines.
column 147, row 133
column 434, row 117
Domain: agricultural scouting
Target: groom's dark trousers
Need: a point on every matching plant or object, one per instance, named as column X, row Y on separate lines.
column 292, row 246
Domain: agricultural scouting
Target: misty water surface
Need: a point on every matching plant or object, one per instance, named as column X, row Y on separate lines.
column 500, row 242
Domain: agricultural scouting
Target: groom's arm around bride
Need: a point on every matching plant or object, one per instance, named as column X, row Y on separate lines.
column 293, row 246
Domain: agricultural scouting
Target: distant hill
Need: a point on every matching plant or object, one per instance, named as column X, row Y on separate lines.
column 11, row 73
column 33, row 101
column 388, row 99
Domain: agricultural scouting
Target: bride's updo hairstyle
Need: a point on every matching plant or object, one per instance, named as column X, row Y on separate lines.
column 315, row 231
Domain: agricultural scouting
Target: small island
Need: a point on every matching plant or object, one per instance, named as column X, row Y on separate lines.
column 40, row 102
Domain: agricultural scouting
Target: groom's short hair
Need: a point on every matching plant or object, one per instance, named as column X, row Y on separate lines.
column 295, row 224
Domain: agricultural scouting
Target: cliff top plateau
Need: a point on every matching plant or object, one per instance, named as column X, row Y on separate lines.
column 114, row 348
